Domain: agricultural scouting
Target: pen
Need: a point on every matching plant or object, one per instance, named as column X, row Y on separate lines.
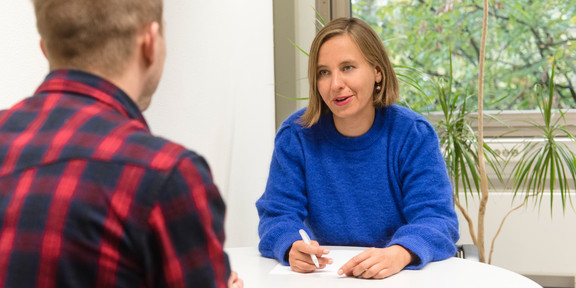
column 306, row 239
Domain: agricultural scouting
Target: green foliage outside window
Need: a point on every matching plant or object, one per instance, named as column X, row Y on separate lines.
column 525, row 37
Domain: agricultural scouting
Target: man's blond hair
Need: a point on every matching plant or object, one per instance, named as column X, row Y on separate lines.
column 93, row 34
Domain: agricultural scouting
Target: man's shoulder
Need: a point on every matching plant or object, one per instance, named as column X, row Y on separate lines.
column 140, row 147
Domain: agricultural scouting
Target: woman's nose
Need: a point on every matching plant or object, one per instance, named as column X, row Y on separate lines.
column 337, row 81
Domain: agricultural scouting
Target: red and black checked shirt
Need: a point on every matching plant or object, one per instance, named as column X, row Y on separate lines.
column 89, row 198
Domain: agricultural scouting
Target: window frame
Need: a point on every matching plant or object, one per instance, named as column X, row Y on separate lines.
column 290, row 75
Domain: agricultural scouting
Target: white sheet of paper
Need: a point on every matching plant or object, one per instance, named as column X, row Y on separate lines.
column 340, row 258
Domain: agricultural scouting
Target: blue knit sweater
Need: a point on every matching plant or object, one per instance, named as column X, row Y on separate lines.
column 386, row 187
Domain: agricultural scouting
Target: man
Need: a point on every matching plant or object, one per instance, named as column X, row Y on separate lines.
column 88, row 197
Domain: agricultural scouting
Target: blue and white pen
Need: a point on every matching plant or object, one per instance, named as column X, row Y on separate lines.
column 306, row 239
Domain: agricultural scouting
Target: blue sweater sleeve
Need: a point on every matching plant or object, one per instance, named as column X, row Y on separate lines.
column 282, row 207
column 428, row 207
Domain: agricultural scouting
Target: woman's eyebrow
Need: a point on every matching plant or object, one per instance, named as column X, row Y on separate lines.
column 345, row 62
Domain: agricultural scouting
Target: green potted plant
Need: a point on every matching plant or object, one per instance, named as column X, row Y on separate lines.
column 464, row 153
column 542, row 158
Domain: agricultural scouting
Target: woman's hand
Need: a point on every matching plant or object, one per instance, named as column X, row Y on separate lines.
column 300, row 260
column 234, row 281
column 377, row 263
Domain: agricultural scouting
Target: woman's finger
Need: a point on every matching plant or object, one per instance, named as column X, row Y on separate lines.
column 349, row 267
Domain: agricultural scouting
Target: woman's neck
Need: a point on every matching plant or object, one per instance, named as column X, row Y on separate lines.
column 354, row 127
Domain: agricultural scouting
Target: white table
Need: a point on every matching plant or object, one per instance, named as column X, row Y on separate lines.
column 454, row 272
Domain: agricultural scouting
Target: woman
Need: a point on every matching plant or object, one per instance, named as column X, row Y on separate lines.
column 353, row 169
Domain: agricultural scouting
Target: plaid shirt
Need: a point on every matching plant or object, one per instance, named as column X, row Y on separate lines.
column 89, row 198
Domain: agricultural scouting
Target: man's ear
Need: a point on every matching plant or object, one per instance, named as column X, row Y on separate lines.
column 149, row 43
column 43, row 48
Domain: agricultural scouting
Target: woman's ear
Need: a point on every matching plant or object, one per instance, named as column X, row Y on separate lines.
column 378, row 74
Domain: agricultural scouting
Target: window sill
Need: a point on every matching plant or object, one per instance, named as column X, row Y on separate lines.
column 513, row 124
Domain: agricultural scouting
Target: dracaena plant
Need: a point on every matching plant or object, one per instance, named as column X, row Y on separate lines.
column 459, row 143
column 546, row 158
column 545, row 165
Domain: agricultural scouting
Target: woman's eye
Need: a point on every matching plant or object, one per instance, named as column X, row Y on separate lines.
column 348, row 68
column 323, row 73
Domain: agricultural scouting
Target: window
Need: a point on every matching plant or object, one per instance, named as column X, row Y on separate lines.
column 524, row 38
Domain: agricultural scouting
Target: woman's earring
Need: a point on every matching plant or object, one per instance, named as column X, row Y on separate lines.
column 378, row 87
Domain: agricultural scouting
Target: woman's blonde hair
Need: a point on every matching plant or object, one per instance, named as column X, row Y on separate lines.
column 373, row 50
column 93, row 34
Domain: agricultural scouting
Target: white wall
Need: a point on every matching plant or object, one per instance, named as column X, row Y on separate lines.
column 216, row 96
column 22, row 65
column 534, row 240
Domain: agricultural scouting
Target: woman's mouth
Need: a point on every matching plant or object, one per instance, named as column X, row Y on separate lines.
column 342, row 100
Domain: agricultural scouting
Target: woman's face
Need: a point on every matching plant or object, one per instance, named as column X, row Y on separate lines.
column 346, row 81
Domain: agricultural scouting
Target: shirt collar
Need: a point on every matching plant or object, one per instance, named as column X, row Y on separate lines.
column 90, row 85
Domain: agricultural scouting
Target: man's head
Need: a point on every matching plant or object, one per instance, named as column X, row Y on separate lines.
column 93, row 35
